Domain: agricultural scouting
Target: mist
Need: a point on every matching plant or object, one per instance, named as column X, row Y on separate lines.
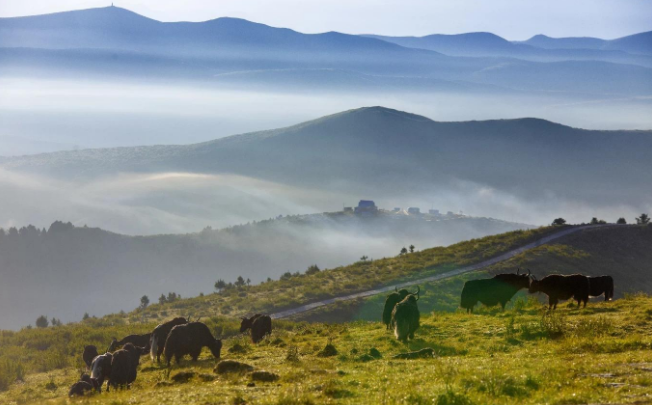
column 42, row 115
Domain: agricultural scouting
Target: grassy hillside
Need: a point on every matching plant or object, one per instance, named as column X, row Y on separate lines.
column 622, row 252
column 601, row 354
column 294, row 289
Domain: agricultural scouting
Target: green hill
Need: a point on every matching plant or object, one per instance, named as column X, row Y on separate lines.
column 523, row 355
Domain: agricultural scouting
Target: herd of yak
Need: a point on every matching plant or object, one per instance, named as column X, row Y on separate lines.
column 401, row 312
column 180, row 337
column 176, row 338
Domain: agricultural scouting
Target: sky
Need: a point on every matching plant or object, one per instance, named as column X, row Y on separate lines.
column 512, row 19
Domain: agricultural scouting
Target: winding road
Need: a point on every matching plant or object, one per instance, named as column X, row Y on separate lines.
column 442, row 276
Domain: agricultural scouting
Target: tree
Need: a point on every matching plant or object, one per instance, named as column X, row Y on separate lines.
column 172, row 296
column 162, row 299
column 144, row 302
column 644, row 219
column 248, row 282
column 42, row 322
column 312, row 269
column 594, row 221
column 559, row 222
column 364, row 258
column 86, row 316
column 220, row 285
column 411, row 248
column 403, row 251
column 240, row 282
column 621, row 221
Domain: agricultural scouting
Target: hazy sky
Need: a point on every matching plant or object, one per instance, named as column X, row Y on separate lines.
column 512, row 19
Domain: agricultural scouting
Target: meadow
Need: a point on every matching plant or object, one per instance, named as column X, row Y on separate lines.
column 524, row 355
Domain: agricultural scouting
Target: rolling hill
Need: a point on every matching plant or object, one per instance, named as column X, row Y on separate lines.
column 538, row 48
column 636, row 44
column 65, row 265
column 384, row 151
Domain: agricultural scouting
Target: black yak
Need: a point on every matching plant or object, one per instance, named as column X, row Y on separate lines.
column 136, row 340
column 90, row 352
column 101, row 369
column 260, row 326
column 85, row 385
column 391, row 301
column 497, row 290
column 160, row 335
column 405, row 317
column 601, row 285
column 190, row 339
column 558, row 287
column 124, row 366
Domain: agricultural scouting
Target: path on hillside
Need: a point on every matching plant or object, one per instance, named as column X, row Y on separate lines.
column 452, row 273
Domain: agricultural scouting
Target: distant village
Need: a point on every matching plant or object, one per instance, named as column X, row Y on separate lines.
column 368, row 207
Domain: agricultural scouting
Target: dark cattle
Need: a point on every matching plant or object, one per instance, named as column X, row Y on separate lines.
column 493, row 291
column 124, row 366
column 601, row 285
column 260, row 326
column 136, row 340
column 405, row 317
column 84, row 386
column 90, row 352
column 190, row 339
column 160, row 335
column 558, row 287
column 101, row 369
column 391, row 301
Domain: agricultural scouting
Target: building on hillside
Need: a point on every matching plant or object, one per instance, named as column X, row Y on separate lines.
column 434, row 212
column 396, row 209
column 366, row 207
column 414, row 211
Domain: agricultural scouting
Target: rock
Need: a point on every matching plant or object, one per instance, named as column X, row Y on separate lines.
column 328, row 351
column 237, row 349
column 427, row 352
column 264, row 376
column 232, row 366
column 183, row 377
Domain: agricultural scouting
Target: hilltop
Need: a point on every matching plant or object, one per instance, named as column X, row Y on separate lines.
column 381, row 151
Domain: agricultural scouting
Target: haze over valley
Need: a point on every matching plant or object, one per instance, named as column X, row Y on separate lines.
column 110, row 119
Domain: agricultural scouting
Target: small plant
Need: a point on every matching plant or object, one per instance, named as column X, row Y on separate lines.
column 293, row 355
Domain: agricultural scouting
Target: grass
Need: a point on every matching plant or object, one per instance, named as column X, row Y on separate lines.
column 601, row 354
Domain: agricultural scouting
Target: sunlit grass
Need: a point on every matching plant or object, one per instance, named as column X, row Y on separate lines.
column 601, row 354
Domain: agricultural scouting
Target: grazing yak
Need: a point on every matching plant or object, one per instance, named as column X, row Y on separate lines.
column 85, row 385
column 189, row 339
column 160, row 335
column 260, row 326
column 601, row 285
column 101, row 369
column 124, row 366
column 90, row 352
column 391, row 301
column 405, row 317
column 497, row 290
column 136, row 340
column 558, row 287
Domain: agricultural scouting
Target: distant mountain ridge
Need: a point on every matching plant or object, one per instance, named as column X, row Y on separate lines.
column 116, row 43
